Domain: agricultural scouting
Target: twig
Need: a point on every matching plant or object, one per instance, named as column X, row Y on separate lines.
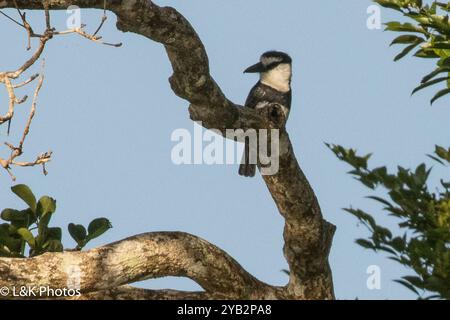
column 7, row 77
column 18, row 151
column 47, row 15
column 12, row 19
column 24, row 83
column 88, row 36
column 41, row 159
column 15, row 74
column 26, row 25
column 33, row 107
column 12, row 100
column 104, row 18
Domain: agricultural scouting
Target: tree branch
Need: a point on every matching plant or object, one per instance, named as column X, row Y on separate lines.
column 307, row 235
column 137, row 258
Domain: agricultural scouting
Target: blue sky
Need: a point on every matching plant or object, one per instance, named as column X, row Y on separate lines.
column 108, row 114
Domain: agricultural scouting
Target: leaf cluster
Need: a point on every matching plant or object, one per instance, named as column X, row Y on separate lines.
column 423, row 216
column 427, row 35
column 30, row 227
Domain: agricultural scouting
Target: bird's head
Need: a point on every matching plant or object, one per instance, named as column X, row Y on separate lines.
column 275, row 69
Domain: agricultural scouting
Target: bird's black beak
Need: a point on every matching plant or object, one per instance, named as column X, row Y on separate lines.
column 256, row 68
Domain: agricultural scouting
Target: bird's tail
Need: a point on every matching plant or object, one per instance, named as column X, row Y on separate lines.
column 247, row 169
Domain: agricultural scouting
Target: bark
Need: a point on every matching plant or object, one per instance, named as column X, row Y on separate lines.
column 307, row 235
column 130, row 293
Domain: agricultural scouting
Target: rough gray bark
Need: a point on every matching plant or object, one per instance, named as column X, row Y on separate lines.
column 307, row 235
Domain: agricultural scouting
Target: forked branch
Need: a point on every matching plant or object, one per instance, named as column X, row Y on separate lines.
column 7, row 77
column 307, row 235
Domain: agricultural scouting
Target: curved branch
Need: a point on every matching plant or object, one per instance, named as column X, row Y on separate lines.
column 307, row 235
column 145, row 256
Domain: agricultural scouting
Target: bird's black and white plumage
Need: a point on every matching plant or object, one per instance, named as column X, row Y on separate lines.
column 274, row 86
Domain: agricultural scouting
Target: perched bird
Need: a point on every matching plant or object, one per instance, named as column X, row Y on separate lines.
column 274, row 86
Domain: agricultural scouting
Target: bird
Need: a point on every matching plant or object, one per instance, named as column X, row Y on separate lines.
column 273, row 87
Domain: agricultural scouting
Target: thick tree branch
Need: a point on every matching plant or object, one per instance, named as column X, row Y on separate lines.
column 137, row 258
column 307, row 235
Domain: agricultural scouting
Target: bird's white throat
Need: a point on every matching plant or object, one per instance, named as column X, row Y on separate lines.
column 278, row 78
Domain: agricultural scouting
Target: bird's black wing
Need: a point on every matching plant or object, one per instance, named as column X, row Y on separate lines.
column 288, row 98
column 256, row 95
column 261, row 93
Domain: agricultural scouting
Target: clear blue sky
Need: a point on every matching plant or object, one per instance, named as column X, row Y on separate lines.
column 108, row 114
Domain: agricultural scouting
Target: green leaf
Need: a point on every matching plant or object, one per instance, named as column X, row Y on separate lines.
column 4, row 252
column 426, row 53
column 416, row 281
column 9, row 241
column 381, row 200
column 440, row 45
column 421, row 174
column 435, row 159
column 27, row 236
column 54, row 233
column 434, row 73
column 78, row 233
column 53, row 246
column 444, row 6
column 31, row 216
column 46, row 205
column 382, row 232
column 408, row 285
column 387, row 249
column 97, row 227
column 433, row 296
column 362, row 216
column 442, row 153
column 398, row 244
column 405, row 39
column 404, row 27
column 4, row 230
column 422, row 19
column 407, row 50
column 13, row 246
column 433, row 283
column 13, row 215
column 440, row 94
column 23, row 218
column 445, row 62
column 365, row 244
column 430, row 83
column 43, row 227
column 389, row 4
column 25, row 193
